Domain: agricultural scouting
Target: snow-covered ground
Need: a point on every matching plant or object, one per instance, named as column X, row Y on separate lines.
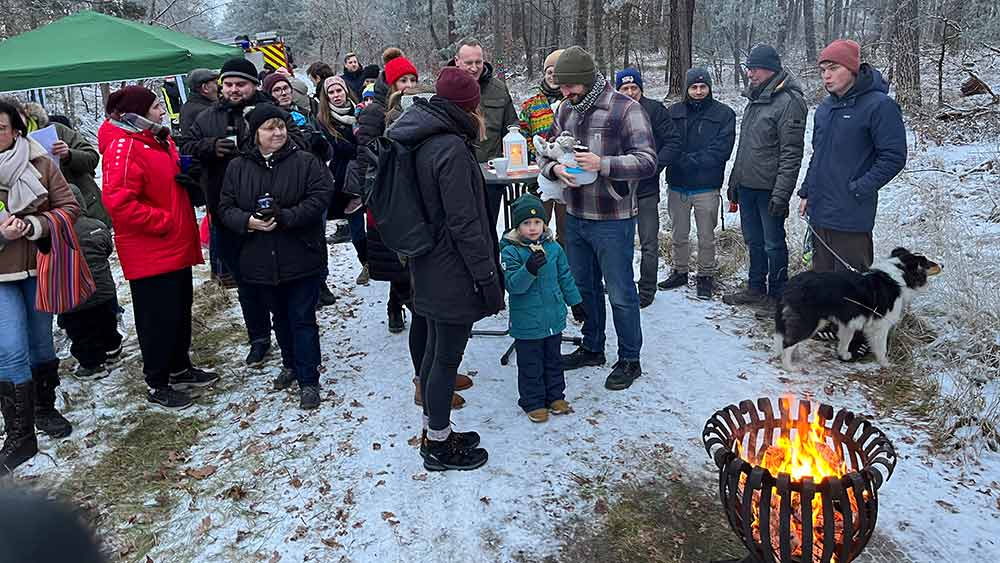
column 266, row 481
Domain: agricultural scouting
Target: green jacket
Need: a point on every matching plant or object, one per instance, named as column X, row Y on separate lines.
column 772, row 136
column 79, row 167
column 537, row 303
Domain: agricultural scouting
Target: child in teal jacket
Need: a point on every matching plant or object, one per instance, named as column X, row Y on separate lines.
column 540, row 286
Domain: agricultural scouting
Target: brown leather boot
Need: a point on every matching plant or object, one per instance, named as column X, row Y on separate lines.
column 457, row 401
column 462, row 382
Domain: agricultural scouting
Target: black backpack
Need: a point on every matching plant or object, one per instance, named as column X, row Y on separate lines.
column 394, row 198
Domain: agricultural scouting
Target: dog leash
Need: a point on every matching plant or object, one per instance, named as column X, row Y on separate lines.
column 827, row 246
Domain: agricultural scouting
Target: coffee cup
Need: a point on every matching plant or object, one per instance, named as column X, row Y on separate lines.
column 500, row 165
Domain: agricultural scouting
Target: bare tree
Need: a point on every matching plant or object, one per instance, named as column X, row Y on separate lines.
column 809, row 30
column 580, row 27
column 681, row 34
column 906, row 53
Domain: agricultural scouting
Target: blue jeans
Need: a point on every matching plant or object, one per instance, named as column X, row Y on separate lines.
column 603, row 250
column 25, row 333
column 293, row 305
column 764, row 235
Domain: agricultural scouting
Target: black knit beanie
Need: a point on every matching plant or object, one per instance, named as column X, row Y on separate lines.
column 240, row 68
column 261, row 113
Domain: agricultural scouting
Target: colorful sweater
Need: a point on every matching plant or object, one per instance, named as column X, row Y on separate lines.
column 535, row 118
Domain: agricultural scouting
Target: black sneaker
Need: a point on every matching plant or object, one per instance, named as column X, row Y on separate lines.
column 705, row 288
column 309, row 397
column 168, row 398
column 451, row 454
column 396, row 321
column 581, row 357
column 747, row 296
column 285, row 379
column 676, row 279
column 466, row 441
column 326, row 297
column 91, row 374
column 645, row 300
column 623, row 375
column 193, row 378
column 259, row 352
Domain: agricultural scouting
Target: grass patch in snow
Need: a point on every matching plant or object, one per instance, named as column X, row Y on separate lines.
column 663, row 519
column 214, row 333
column 132, row 489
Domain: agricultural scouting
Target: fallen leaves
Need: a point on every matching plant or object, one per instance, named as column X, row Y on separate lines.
column 203, row 527
column 332, row 543
column 390, row 518
column 420, row 477
column 201, row 473
column 234, row 493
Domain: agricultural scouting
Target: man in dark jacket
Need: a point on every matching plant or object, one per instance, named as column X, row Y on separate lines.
column 92, row 327
column 496, row 103
column 600, row 215
column 354, row 75
column 668, row 142
column 78, row 159
column 217, row 136
column 203, row 86
column 859, row 145
column 766, row 170
column 708, row 131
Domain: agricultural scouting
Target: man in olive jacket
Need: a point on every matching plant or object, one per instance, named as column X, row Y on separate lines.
column 495, row 101
column 766, row 170
column 78, row 159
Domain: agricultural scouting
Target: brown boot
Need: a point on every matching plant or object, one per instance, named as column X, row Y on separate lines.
column 462, row 382
column 457, row 401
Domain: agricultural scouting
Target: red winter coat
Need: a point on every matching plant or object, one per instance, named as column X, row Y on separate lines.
column 154, row 223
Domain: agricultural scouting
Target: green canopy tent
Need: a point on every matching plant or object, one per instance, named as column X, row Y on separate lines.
column 91, row 48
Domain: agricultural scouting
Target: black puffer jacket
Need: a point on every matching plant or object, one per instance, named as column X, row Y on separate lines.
column 192, row 108
column 453, row 190
column 383, row 263
column 210, row 125
column 301, row 187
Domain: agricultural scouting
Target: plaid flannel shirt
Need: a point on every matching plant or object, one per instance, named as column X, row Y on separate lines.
column 617, row 129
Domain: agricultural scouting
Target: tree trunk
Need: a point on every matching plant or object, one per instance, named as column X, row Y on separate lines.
column 497, row 28
column 906, row 56
column 784, row 25
column 449, row 6
column 580, row 28
column 626, row 32
column 526, row 39
column 430, row 24
column 658, row 22
column 681, row 29
column 597, row 18
column 809, row 30
column 835, row 20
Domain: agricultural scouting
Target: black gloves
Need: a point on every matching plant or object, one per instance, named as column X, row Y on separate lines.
column 224, row 147
column 579, row 313
column 192, row 187
column 777, row 208
column 535, row 262
column 492, row 295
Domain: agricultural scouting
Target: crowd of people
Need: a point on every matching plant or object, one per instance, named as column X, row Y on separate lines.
column 272, row 160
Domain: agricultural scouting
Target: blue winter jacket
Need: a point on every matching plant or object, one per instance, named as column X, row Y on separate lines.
column 537, row 303
column 859, row 145
column 708, row 132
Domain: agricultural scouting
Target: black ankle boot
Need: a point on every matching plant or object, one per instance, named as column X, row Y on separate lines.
column 452, row 454
column 17, row 402
column 466, row 441
column 47, row 418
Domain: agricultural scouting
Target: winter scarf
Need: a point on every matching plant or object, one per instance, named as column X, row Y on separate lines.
column 553, row 94
column 344, row 115
column 595, row 92
column 20, row 179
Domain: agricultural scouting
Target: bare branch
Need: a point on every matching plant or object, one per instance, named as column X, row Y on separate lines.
column 193, row 16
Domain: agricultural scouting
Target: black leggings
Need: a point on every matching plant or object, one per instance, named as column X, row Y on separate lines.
column 444, row 346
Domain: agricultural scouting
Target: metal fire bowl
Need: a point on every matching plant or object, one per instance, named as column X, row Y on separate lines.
column 846, row 529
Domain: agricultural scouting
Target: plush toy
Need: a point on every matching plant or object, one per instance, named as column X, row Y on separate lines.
column 561, row 151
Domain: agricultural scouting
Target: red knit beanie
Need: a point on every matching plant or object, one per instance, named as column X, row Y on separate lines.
column 398, row 68
column 458, row 87
column 844, row 52
column 130, row 99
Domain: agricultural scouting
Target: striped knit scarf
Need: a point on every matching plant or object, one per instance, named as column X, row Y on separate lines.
column 64, row 280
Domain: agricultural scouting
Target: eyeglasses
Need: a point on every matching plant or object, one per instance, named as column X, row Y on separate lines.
column 281, row 90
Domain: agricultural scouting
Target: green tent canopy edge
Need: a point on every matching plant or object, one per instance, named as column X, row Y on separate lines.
column 90, row 48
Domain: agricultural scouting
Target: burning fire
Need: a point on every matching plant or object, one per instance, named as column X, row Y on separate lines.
column 805, row 453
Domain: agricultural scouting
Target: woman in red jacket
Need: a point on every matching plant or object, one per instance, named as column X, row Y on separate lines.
column 157, row 239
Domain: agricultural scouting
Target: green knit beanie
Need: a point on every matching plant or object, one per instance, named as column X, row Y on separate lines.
column 526, row 207
column 575, row 66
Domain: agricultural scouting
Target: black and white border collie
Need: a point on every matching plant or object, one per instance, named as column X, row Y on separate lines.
column 871, row 301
